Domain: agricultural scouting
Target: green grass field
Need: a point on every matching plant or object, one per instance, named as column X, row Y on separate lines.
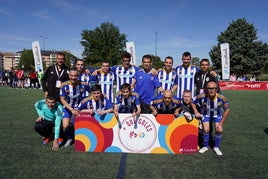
column 244, row 146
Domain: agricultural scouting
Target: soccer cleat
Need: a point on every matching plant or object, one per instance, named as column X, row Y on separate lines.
column 60, row 140
column 203, row 150
column 46, row 140
column 68, row 143
column 217, row 151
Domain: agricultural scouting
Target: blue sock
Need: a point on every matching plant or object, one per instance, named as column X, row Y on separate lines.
column 217, row 139
column 205, row 139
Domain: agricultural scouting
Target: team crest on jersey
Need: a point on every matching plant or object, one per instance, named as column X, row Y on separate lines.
column 152, row 78
column 207, row 79
column 139, row 138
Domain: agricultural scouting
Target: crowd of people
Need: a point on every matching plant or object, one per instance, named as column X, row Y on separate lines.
column 188, row 91
column 17, row 79
column 234, row 77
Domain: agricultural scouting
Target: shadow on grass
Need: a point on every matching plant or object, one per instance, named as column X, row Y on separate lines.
column 266, row 130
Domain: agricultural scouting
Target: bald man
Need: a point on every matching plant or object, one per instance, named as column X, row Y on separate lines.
column 165, row 103
column 214, row 107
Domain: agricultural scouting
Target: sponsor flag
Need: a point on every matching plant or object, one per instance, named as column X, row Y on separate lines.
column 131, row 49
column 37, row 56
column 225, row 61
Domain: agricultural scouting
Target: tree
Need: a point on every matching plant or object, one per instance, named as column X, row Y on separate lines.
column 157, row 63
column 26, row 60
column 247, row 54
column 195, row 61
column 103, row 43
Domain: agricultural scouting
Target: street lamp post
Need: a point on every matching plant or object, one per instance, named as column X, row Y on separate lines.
column 43, row 38
column 155, row 43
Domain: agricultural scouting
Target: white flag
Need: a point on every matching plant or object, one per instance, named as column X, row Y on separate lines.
column 37, row 56
column 131, row 49
column 225, row 61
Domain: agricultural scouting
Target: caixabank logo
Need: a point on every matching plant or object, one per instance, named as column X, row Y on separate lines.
column 137, row 134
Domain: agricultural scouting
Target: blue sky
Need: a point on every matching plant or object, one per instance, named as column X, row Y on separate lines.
column 182, row 25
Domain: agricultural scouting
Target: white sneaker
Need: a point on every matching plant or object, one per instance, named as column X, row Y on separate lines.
column 203, row 150
column 217, row 151
column 68, row 143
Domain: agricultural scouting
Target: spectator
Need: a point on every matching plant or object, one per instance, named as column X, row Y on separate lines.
column 233, row 77
column 33, row 79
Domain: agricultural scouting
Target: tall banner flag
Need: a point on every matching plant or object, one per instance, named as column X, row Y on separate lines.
column 131, row 49
column 37, row 56
column 225, row 61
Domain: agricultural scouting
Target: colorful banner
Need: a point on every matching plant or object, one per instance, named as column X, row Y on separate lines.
column 243, row 85
column 37, row 56
column 131, row 49
column 225, row 61
column 163, row 134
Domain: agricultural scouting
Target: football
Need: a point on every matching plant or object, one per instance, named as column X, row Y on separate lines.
column 188, row 116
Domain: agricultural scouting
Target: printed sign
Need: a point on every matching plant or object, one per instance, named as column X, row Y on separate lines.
column 163, row 134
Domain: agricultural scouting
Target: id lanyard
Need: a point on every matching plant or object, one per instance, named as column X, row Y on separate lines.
column 203, row 83
column 58, row 82
column 58, row 75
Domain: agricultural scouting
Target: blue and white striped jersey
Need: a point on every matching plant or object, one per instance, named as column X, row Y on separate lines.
column 185, row 79
column 106, row 81
column 123, row 75
column 72, row 94
column 166, row 79
column 212, row 108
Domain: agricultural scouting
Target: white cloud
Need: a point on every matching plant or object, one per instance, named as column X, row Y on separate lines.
column 41, row 14
column 4, row 12
column 78, row 8
column 12, row 37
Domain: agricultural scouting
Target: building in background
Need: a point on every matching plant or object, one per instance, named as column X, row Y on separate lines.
column 10, row 60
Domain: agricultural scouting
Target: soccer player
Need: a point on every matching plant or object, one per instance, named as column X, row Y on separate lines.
column 50, row 116
column 204, row 76
column 54, row 76
column 186, row 102
column 167, row 75
column 145, row 84
column 97, row 102
column 70, row 96
column 127, row 101
column 84, row 77
column 165, row 103
column 185, row 76
column 124, row 72
column 215, row 107
column 106, row 79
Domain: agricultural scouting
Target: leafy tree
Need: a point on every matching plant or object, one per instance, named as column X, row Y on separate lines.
column 103, row 43
column 26, row 60
column 157, row 63
column 247, row 54
column 195, row 61
column 69, row 58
